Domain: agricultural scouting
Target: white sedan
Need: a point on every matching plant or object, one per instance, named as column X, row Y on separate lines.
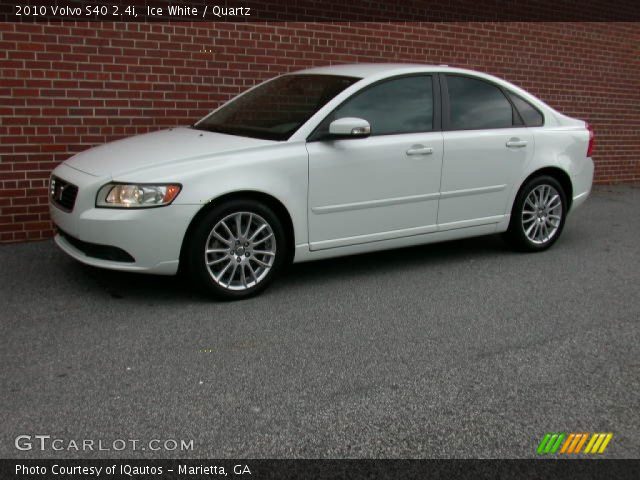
column 321, row 163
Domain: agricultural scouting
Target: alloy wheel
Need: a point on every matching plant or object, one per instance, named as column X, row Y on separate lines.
column 240, row 251
column 542, row 214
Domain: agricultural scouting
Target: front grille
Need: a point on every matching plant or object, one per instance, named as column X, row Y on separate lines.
column 96, row 250
column 63, row 193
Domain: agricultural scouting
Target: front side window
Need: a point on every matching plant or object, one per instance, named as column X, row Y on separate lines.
column 401, row 105
column 275, row 110
column 475, row 104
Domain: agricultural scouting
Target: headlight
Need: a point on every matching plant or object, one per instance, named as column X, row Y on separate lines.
column 118, row 195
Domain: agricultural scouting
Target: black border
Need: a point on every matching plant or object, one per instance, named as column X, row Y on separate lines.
column 363, row 11
column 582, row 468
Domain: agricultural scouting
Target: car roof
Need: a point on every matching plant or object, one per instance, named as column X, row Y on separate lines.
column 364, row 70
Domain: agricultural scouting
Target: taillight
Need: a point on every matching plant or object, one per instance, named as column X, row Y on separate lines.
column 592, row 140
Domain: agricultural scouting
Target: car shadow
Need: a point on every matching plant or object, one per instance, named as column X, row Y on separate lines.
column 398, row 259
column 154, row 288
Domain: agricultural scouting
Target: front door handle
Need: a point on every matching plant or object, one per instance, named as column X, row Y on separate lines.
column 516, row 143
column 420, row 150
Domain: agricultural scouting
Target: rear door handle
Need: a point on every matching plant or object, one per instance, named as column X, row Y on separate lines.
column 420, row 150
column 516, row 143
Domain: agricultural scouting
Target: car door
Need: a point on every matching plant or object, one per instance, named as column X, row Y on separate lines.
column 383, row 186
column 486, row 146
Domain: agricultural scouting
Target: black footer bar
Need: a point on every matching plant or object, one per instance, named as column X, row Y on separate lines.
column 68, row 469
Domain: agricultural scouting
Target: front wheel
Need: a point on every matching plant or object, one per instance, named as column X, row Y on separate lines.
column 538, row 215
column 237, row 249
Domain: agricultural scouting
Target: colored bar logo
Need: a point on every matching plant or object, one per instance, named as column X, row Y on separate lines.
column 573, row 443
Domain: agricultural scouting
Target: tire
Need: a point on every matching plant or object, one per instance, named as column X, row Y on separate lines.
column 233, row 261
column 545, row 198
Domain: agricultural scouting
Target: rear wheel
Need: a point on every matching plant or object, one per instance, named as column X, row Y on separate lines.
column 237, row 249
column 538, row 214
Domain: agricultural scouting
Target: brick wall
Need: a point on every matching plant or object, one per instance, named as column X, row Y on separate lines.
column 67, row 86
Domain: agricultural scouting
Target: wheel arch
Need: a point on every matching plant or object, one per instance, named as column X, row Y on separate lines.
column 555, row 172
column 276, row 205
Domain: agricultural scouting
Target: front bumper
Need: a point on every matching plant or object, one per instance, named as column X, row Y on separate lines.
column 153, row 237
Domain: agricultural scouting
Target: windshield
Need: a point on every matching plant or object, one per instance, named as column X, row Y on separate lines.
column 276, row 109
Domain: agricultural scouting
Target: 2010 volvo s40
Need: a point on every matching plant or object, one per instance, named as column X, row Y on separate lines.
column 326, row 162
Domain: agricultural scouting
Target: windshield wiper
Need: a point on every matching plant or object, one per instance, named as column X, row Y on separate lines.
column 208, row 128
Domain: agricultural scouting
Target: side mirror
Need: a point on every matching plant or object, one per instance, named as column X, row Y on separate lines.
column 350, row 127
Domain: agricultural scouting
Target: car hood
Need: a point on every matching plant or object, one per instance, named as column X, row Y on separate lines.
column 158, row 148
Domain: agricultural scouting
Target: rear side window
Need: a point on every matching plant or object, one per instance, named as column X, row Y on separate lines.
column 475, row 104
column 401, row 105
column 530, row 114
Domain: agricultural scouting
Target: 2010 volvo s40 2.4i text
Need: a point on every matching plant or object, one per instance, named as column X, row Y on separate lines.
column 326, row 162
